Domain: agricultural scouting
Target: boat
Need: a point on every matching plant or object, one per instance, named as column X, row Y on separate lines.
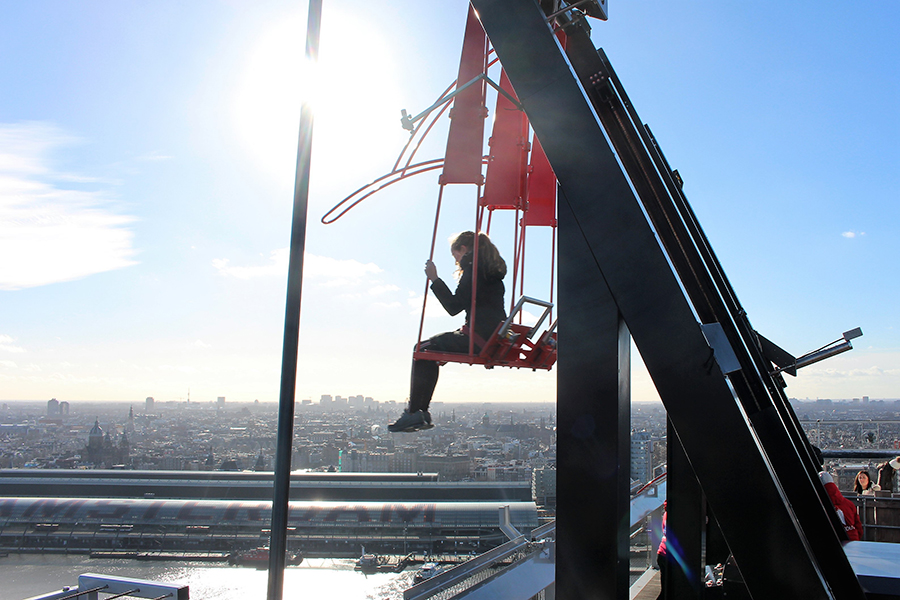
column 426, row 571
column 368, row 563
column 259, row 557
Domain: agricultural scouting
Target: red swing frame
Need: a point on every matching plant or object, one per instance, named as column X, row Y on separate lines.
column 512, row 183
column 519, row 178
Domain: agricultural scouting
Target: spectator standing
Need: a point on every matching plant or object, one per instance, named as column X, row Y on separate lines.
column 863, row 485
column 846, row 510
column 662, row 557
column 886, row 474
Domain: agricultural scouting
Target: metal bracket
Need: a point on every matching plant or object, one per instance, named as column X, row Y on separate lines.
column 724, row 353
column 408, row 122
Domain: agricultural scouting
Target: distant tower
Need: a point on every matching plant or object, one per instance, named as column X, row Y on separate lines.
column 64, row 408
column 220, row 402
column 52, row 407
column 260, row 462
column 124, row 454
column 94, row 448
column 129, row 427
column 95, row 437
column 148, row 404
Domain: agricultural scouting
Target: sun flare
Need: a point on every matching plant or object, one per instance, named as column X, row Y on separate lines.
column 351, row 90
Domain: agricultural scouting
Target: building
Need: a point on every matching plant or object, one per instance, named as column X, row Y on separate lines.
column 177, row 525
column 448, row 467
column 102, row 451
column 247, row 485
column 543, row 486
column 641, row 456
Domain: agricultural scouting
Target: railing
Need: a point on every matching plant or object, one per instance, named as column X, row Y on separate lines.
column 91, row 585
column 880, row 516
column 462, row 578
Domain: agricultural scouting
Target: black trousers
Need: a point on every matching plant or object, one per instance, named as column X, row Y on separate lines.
column 425, row 372
column 663, row 561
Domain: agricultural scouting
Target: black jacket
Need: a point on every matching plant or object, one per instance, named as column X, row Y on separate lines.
column 489, row 309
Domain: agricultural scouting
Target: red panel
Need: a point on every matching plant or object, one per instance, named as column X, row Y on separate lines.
column 541, row 189
column 465, row 143
column 507, row 168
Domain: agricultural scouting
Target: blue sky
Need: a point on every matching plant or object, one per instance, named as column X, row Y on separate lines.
column 146, row 175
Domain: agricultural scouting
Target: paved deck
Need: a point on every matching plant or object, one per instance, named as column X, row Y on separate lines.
column 647, row 587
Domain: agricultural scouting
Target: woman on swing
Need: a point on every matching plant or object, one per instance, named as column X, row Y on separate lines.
column 489, row 312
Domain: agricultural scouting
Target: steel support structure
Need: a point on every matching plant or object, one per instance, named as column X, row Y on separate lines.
column 285, row 434
column 685, row 523
column 739, row 434
column 593, row 428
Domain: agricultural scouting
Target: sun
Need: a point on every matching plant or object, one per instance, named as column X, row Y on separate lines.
column 351, row 90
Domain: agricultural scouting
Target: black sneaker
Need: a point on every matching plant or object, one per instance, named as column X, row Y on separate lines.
column 428, row 424
column 409, row 422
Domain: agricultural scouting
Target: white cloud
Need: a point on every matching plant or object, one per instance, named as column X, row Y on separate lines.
column 8, row 364
column 433, row 308
column 55, row 234
column 335, row 270
column 852, row 234
column 276, row 267
column 528, row 318
column 388, row 304
column 322, row 270
column 383, row 289
column 6, row 345
column 872, row 371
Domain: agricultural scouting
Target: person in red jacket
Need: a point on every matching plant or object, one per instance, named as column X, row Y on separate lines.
column 662, row 557
column 846, row 510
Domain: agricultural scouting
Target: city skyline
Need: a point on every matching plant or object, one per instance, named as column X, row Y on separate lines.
column 146, row 176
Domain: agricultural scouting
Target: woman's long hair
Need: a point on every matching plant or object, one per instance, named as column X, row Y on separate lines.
column 857, row 486
column 490, row 264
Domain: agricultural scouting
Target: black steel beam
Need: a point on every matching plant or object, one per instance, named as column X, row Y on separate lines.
column 685, row 524
column 735, row 470
column 593, row 429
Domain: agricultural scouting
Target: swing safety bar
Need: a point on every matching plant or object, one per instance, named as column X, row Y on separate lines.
column 548, row 306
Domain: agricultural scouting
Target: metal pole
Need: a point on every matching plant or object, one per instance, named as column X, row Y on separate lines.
column 282, row 483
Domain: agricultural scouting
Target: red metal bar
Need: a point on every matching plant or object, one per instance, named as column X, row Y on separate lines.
column 434, row 120
column 508, row 162
column 517, row 257
column 541, row 190
column 479, row 214
column 430, row 165
column 522, row 274
column 552, row 269
column 437, row 216
column 418, row 127
column 462, row 160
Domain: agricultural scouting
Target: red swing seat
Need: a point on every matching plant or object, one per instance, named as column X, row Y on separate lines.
column 510, row 345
